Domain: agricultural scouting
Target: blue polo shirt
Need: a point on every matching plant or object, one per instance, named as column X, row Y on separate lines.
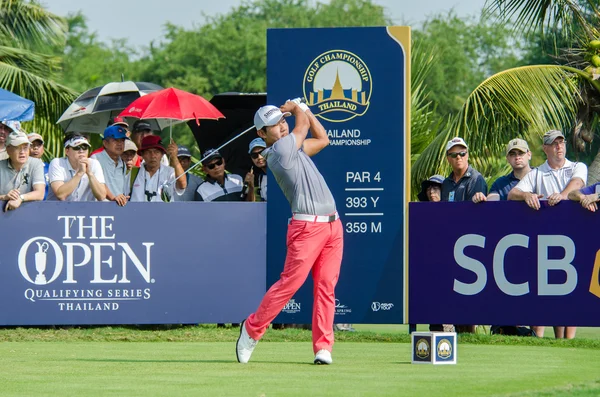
column 463, row 190
column 592, row 189
column 504, row 184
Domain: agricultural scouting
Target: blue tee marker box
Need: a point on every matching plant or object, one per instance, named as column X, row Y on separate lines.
column 433, row 347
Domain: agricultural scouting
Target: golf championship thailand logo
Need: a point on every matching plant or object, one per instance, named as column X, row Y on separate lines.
column 422, row 348
column 84, row 268
column 337, row 86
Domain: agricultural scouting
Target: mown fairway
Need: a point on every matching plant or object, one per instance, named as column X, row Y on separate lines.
column 36, row 365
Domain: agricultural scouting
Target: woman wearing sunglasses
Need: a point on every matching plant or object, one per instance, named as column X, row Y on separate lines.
column 258, row 178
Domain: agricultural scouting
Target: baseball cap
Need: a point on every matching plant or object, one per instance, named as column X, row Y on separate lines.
column 268, row 116
column 117, row 121
column 34, row 136
column 211, row 154
column 12, row 124
column 183, row 151
column 17, row 138
column 141, row 125
column 256, row 142
column 454, row 142
column 115, row 132
column 77, row 140
column 519, row 144
column 433, row 180
column 129, row 145
column 551, row 135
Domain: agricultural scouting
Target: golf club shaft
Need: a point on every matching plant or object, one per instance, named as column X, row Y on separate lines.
column 217, row 149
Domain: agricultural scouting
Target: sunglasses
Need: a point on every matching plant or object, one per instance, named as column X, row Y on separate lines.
column 255, row 155
column 80, row 148
column 217, row 163
column 456, row 154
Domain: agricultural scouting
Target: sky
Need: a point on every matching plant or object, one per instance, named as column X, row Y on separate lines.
column 141, row 21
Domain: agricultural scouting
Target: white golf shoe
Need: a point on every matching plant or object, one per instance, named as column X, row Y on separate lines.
column 245, row 345
column 323, row 357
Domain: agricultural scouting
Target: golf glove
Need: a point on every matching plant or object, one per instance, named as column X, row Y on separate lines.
column 300, row 102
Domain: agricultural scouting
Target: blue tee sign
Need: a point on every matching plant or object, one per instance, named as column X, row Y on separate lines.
column 357, row 83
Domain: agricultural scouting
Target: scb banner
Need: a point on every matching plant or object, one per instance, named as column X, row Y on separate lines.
column 504, row 263
column 357, row 83
column 146, row 263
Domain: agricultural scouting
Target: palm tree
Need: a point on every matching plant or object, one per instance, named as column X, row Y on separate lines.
column 28, row 34
column 529, row 100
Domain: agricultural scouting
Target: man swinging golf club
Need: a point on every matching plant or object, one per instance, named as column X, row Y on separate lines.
column 315, row 234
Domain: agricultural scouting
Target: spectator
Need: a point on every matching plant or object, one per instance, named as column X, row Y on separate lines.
column 36, row 150
column 21, row 176
column 76, row 177
column 464, row 181
column 142, row 129
column 588, row 196
column 218, row 185
column 118, row 121
column 130, row 156
column 113, row 167
column 461, row 185
column 553, row 181
column 518, row 156
column 155, row 181
column 185, row 159
column 258, row 178
column 431, row 189
column 6, row 127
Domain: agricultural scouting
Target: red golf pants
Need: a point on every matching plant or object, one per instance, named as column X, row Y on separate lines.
column 310, row 246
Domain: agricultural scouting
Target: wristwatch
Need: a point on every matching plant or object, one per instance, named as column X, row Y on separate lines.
column 22, row 197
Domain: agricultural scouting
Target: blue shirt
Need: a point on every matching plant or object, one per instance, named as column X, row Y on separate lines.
column 592, row 189
column 504, row 184
column 463, row 190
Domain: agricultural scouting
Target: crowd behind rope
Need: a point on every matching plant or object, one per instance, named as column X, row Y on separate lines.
column 555, row 180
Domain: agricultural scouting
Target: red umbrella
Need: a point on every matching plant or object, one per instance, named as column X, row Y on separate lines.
column 172, row 104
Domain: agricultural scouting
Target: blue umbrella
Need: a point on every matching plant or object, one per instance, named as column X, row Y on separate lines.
column 14, row 107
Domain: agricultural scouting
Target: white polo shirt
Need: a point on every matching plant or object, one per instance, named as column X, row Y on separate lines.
column 146, row 187
column 60, row 170
column 546, row 181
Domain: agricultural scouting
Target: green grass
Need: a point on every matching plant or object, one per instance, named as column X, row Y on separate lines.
column 125, row 361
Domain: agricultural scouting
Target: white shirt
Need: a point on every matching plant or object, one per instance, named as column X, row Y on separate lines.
column 546, row 181
column 60, row 170
column 146, row 188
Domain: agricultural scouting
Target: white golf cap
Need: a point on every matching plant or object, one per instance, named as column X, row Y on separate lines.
column 454, row 142
column 268, row 116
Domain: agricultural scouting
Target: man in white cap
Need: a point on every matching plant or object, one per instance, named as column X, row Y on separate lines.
column 464, row 181
column 315, row 233
column 130, row 156
column 76, row 177
column 518, row 156
column 21, row 176
column 552, row 181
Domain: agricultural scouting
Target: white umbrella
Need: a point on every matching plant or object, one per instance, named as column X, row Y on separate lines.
column 92, row 110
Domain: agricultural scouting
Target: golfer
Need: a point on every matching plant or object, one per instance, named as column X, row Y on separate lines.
column 315, row 234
